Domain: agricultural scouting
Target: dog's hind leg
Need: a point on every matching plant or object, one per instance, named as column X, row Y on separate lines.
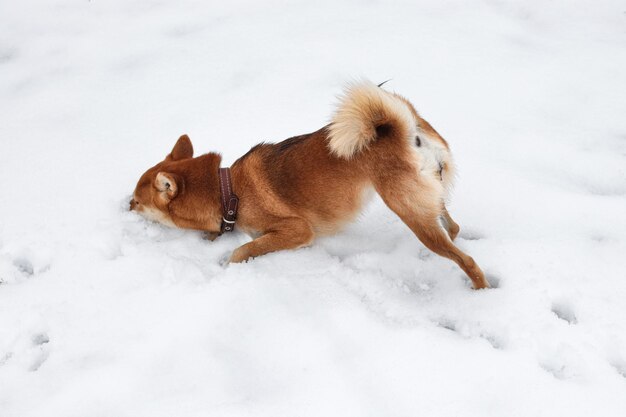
column 418, row 204
column 450, row 225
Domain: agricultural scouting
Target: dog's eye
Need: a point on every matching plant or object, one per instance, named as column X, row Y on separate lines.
column 418, row 141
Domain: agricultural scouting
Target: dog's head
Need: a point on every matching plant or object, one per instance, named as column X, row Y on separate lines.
column 176, row 192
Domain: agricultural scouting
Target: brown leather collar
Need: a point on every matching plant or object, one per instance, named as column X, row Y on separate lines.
column 230, row 201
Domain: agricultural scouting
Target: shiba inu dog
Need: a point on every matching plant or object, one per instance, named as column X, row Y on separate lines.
column 285, row 194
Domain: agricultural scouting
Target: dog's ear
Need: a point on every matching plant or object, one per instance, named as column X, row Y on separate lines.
column 182, row 150
column 167, row 184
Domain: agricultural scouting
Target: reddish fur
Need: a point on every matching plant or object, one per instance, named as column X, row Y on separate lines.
column 292, row 191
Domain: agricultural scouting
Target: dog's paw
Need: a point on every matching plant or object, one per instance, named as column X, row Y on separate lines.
column 492, row 280
column 210, row 236
column 240, row 255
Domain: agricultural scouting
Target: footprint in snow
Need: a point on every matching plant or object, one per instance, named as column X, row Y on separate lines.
column 5, row 358
column 564, row 311
column 470, row 235
column 620, row 367
column 24, row 265
column 493, row 280
column 468, row 331
column 562, row 362
column 29, row 262
column 41, row 354
column 559, row 371
column 223, row 260
column 7, row 55
column 40, row 339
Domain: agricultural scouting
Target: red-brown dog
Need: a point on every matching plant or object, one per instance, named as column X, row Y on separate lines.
column 310, row 185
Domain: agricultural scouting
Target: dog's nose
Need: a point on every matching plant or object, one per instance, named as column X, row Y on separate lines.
column 133, row 204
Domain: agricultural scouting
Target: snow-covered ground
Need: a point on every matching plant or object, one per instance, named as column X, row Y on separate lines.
column 105, row 314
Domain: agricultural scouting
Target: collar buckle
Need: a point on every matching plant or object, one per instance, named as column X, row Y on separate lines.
column 230, row 201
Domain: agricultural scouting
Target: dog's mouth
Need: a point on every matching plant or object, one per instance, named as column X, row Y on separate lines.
column 154, row 215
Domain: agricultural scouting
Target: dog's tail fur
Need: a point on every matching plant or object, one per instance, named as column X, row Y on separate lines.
column 364, row 114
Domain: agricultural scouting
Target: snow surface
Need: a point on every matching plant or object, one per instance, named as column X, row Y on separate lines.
column 105, row 314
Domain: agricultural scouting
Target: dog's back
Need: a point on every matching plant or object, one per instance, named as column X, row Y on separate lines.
column 375, row 141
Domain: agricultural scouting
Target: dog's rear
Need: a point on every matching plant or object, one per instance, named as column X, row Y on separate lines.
column 408, row 162
column 366, row 114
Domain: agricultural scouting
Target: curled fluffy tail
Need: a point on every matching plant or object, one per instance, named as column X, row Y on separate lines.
column 366, row 113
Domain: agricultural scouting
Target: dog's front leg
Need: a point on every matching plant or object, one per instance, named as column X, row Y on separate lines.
column 291, row 233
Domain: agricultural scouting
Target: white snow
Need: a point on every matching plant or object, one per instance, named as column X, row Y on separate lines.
column 105, row 314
